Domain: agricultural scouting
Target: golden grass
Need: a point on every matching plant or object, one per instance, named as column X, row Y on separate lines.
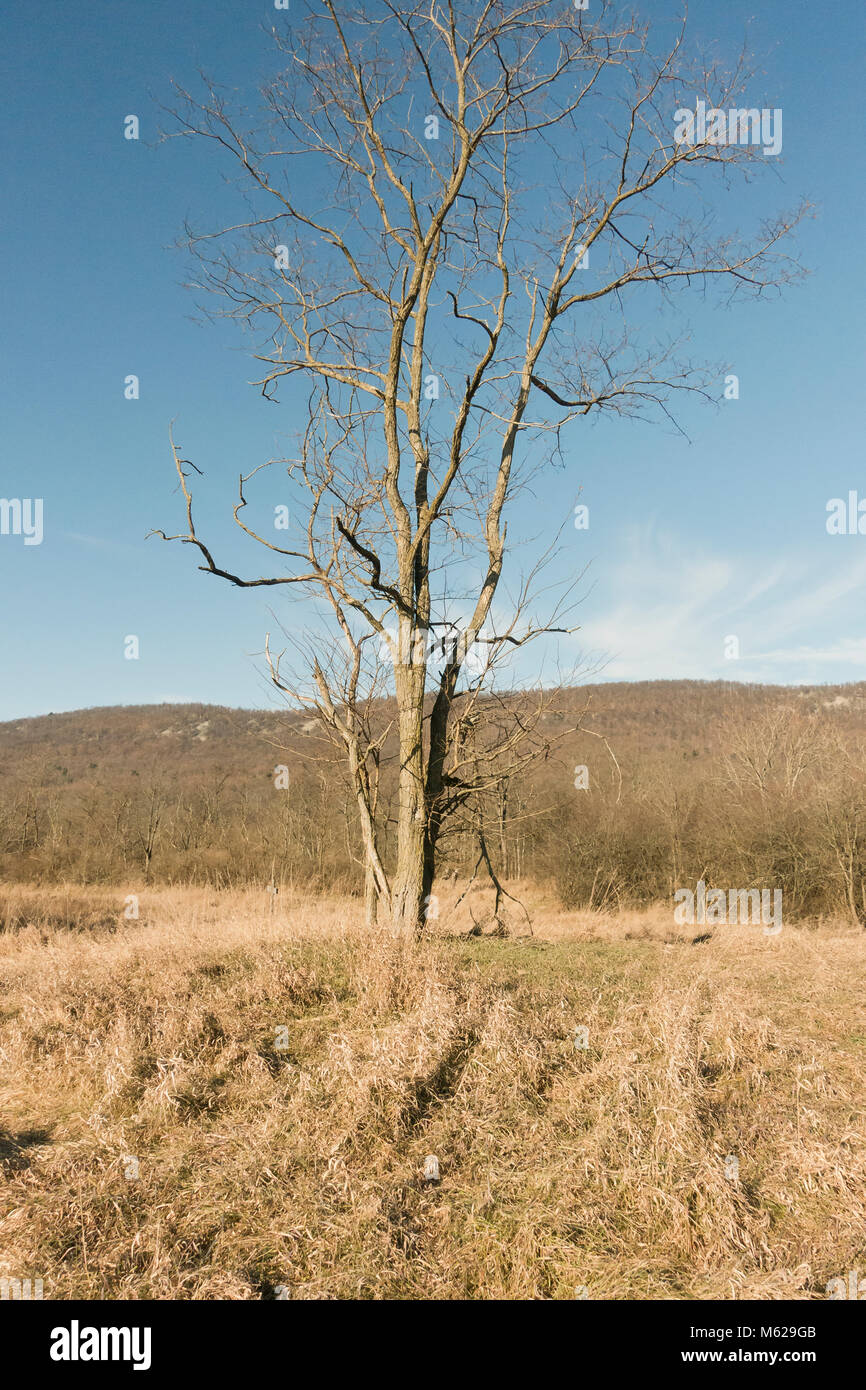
column 257, row 1166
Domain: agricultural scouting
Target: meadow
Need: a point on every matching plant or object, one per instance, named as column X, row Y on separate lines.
column 233, row 1097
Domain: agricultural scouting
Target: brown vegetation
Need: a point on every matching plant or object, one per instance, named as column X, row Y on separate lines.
column 605, row 1167
column 746, row 786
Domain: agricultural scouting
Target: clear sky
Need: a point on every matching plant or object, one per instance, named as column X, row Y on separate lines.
column 691, row 540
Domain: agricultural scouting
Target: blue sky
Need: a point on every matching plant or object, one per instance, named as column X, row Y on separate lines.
column 691, row 540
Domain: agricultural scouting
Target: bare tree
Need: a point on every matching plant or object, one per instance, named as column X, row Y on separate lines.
column 421, row 197
column 147, row 819
column 343, row 698
column 774, row 751
column 842, row 822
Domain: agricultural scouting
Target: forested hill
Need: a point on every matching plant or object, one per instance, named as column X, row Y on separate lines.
column 189, row 740
column 188, row 791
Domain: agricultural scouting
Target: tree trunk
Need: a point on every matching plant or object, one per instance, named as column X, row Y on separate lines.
column 435, row 777
column 407, row 895
column 371, row 897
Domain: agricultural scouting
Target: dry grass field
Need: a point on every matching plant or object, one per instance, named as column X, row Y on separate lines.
column 163, row 1139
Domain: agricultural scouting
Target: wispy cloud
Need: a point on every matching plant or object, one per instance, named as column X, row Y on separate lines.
column 670, row 610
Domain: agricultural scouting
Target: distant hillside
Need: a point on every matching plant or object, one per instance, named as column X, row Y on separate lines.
column 187, row 792
column 190, row 741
